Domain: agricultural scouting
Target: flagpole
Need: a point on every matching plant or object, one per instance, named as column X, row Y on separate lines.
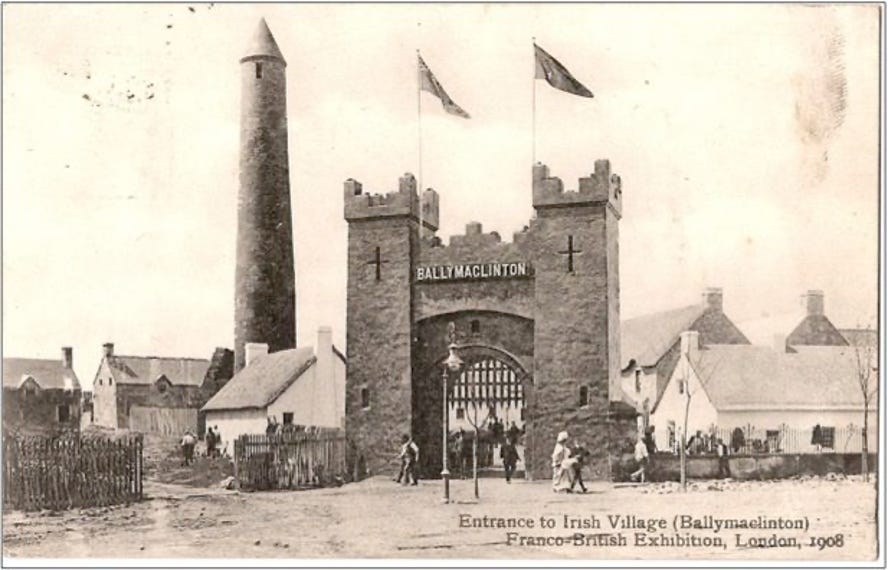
column 419, row 134
column 534, row 109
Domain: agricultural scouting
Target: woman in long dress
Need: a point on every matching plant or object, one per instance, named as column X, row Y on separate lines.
column 562, row 465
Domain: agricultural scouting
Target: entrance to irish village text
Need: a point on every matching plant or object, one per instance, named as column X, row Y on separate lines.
column 486, row 404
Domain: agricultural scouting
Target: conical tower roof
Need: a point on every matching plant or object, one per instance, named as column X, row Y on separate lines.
column 263, row 45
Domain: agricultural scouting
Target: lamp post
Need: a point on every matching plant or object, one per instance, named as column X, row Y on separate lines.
column 452, row 364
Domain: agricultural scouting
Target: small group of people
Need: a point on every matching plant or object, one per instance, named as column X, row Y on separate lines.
column 188, row 443
column 568, row 460
column 214, row 441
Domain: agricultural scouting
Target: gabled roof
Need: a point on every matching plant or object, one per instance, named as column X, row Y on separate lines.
column 646, row 339
column 147, row 369
column 816, row 330
column 49, row 374
column 860, row 337
column 741, row 376
column 266, row 378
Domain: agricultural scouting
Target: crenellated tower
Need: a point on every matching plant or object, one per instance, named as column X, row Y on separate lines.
column 577, row 307
column 383, row 241
column 265, row 282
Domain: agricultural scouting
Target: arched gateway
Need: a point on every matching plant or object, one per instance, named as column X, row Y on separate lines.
column 537, row 322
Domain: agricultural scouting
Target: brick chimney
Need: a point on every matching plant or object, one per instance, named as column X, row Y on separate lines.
column 253, row 350
column 67, row 357
column 712, row 299
column 690, row 344
column 108, row 349
column 814, row 302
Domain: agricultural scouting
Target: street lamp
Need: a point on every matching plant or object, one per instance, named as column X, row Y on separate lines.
column 452, row 364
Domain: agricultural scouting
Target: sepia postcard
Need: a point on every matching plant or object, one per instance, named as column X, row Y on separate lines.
column 524, row 283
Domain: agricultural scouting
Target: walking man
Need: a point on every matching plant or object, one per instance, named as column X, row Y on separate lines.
column 409, row 456
column 509, row 455
column 188, row 441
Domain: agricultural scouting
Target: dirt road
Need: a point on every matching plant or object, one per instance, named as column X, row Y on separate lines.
column 377, row 518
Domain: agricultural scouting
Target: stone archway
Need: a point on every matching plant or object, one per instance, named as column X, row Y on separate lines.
column 491, row 380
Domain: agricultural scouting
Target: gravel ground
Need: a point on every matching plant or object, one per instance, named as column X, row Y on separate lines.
column 377, row 518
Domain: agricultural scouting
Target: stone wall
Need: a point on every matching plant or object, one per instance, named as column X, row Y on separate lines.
column 37, row 413
column 576, row 316
column 749, row 467
column 379, row 339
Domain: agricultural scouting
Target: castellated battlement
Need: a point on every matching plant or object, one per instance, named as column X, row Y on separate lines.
column 600, row 187
column 404, row 202
column 476, row 246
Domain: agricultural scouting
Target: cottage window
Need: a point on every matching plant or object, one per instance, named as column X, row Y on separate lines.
column 828, row 437
column 638, row 380
column 100, row 381
column 681, row 386
column 288, row 418
column 110, row 381
column 63, row 413
column 460, row 413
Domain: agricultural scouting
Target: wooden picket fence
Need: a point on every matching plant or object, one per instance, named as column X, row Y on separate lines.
column 70, row 472
column 311, row 458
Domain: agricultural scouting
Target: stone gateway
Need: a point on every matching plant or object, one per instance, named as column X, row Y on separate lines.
column 536, row 322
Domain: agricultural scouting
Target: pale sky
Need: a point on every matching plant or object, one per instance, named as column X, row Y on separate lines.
column 746, row 137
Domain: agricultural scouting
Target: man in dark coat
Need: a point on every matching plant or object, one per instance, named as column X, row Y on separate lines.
column 509, row 455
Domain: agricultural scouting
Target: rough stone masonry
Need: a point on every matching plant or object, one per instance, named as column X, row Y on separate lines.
column 555, row 323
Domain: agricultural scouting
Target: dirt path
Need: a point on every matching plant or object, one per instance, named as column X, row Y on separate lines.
column 377, row 518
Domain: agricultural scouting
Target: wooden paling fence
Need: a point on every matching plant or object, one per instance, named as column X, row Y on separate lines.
column 70, row 472
column 312, row 458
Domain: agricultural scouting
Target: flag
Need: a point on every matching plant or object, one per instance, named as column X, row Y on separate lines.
column 550, row 69
column 428, row 82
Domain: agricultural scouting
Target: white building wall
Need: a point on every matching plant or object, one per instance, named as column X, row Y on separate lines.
column 234, row 423
column 315, row 399
column 647, row 382
column 104, row 397
column 701, row 413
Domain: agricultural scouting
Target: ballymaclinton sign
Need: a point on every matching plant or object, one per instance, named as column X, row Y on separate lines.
column 473, row 271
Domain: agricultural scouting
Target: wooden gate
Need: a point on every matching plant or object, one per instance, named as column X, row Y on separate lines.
column 311, row 458
column 164, row 421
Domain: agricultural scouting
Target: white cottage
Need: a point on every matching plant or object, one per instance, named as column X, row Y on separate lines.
column 775, row 397
column 299, row 386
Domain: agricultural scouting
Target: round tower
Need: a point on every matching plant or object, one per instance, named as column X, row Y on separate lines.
column 265, row 295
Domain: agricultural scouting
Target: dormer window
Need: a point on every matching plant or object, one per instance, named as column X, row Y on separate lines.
column 162, row 383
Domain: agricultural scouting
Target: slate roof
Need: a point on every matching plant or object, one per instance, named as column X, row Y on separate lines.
column 49, row 374
column 816, row 330
column 646, row 339
column 266, row 378
column 737, row 376
column 147, row 369
column 860, row 337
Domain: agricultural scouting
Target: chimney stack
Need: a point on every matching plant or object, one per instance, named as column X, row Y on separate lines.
column 780, row 342
column 108, row 349
column 814, row 302
column 712, row 299
column 253, row 350
column 690, row 344
column 67, row 357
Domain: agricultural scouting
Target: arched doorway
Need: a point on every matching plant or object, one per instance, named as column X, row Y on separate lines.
column 492, row 385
